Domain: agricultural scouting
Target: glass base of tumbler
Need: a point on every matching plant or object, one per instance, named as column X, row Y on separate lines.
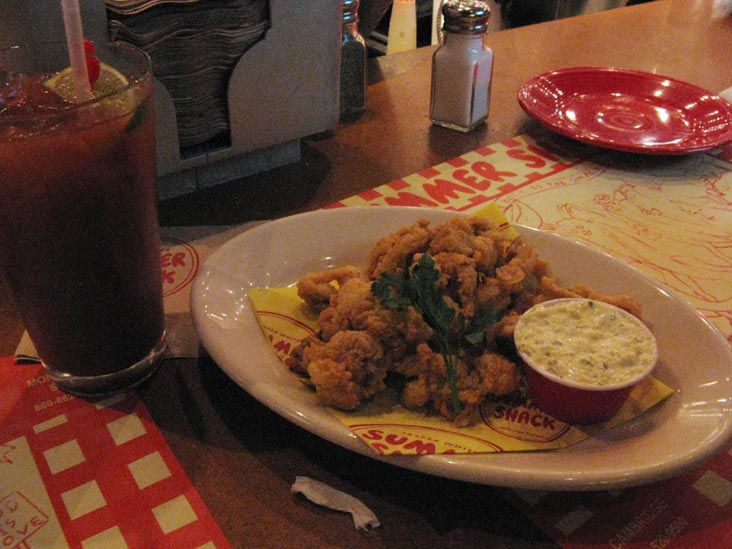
column 106, row 384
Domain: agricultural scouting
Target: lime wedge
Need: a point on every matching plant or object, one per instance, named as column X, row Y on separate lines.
column 110, row 80
column 109, row 83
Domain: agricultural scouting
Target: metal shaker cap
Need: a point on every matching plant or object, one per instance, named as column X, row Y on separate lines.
column 350, row 11
column 465, row 16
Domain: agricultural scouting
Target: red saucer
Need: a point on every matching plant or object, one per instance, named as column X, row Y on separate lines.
column 627, row 110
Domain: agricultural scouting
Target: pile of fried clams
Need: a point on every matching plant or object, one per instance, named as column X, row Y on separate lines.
column 360, row 342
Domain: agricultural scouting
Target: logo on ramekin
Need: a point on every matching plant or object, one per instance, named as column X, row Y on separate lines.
column 397, row 438
column 179, row 262
column 522, row 421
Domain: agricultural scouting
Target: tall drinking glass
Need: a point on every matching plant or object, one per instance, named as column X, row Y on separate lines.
column 79, row 243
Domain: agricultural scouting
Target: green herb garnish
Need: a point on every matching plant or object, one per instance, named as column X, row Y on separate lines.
column 418, row 288
column 473, row 331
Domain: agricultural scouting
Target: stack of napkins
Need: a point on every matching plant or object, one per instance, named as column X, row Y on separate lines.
column 194, row 46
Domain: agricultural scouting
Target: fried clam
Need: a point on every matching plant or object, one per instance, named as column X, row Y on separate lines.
column 391, row 253
column 316, row 289
column 628, row 303
column 358, row 342
column 346, row 370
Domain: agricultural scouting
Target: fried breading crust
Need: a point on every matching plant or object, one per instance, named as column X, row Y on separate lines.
column 317, row 288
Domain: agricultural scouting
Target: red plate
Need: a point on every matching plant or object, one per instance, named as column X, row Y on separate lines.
column 628, row 110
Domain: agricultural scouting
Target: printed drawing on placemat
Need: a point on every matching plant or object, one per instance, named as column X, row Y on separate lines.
column 655, row 222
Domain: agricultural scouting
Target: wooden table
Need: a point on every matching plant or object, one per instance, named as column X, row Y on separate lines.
column 685, row 39
column 242, row 457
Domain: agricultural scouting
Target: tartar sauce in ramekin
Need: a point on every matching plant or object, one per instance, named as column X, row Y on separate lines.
column 585, row 341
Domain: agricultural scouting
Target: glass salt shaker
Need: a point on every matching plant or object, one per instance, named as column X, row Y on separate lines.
column 353, row 62
column 462, row 67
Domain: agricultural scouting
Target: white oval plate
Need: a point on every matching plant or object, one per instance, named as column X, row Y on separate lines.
column 694, row 358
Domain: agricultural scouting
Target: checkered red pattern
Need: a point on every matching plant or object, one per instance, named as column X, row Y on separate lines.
column 91, row 486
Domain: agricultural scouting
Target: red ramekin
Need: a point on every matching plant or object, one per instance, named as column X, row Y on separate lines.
column 575, row 402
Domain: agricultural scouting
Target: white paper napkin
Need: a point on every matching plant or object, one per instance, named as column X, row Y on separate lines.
column 322, row 494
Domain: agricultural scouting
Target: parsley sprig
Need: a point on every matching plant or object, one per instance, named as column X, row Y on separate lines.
column 418, row 288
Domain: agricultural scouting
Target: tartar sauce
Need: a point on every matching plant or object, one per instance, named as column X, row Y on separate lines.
column 585, row 341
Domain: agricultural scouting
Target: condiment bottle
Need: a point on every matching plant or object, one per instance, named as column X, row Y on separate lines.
column 462, row 67
column 402, row 35
column 353, row 62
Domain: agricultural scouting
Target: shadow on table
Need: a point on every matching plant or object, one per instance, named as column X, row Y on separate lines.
column 451, row 508
column 265, row 195
column 639, row 162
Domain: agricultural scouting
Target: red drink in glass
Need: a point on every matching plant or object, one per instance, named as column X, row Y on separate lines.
column 79, row 240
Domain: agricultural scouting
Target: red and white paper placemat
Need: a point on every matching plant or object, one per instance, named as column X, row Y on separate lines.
column 691, row 510
column 80, row 474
